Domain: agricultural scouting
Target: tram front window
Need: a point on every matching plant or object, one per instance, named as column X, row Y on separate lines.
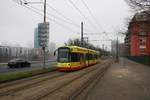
column 63, row 55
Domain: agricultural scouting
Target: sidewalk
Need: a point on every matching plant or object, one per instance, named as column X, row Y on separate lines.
column 124, row 81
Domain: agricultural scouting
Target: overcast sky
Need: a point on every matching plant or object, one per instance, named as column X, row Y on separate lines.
column 17, row 23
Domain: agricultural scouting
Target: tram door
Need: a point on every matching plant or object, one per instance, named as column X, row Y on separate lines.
column 82, row 60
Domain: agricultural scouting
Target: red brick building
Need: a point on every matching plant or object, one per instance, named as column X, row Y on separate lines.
column 137, row 40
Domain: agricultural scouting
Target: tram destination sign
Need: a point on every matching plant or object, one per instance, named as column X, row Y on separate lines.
column 43, row 34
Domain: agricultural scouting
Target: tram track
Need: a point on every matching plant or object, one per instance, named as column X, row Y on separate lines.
column 66, row 92
column 45, row 87
column 6, row 89
column 7, row 84
column 85, row 89
column 63, row 85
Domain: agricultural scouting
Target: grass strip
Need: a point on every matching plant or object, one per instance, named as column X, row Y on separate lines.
column 5, row 77
column 2, row 65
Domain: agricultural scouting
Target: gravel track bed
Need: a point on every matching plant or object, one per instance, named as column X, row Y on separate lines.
column 71, row 90
column 46, row 86
column 9, row 88
column 7, row 84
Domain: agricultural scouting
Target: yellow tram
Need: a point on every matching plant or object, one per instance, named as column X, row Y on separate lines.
column 74, row 58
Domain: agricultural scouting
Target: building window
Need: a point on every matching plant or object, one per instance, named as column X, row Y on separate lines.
column 142, row 49
column 142, row 41
column 142, row 33
column 142, row 45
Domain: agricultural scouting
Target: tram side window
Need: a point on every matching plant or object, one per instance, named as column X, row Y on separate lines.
column 81, row 57
column 89, row 56
column 84, row 57
column 95, row 56
column 75, row 57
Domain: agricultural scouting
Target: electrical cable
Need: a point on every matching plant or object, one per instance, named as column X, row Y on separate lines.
column 55, row 17
column 28, row 7
column 73, row 4
column 90, row 12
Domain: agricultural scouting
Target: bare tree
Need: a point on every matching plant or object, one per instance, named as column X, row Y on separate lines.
column 139, row 4
column 77, row 42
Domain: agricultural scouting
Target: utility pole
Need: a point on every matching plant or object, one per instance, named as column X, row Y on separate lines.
column 41, row 27
column 81, row 34
column 117, row 51
column 44, row 11
column 44, row 23
column 103, row 52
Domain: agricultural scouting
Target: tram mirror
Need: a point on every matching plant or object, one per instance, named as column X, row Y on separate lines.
column 55, row 52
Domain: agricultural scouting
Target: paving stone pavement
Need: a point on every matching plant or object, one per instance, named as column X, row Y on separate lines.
column 125, row 80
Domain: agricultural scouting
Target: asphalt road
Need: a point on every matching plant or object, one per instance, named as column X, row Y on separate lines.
column 6, row 69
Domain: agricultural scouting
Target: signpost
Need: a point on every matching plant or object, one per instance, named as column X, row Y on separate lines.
column 43, row 30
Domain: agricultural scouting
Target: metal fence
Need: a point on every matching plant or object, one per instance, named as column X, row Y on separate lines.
column 140, row 59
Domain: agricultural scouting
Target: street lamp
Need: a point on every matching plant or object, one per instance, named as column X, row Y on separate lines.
column 32, row 3
column 43, row 47
column 26, row 3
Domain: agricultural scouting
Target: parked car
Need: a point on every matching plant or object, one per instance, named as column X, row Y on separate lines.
column 18, row 63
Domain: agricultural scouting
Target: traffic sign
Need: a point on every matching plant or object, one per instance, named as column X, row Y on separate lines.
column 43, row 30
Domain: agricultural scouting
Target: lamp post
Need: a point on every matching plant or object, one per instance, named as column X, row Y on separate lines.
column 117, row 51
column 45, row 23
column 43, row 46
column 81, row 34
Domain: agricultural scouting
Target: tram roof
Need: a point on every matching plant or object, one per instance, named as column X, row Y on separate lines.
column 80, row 49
